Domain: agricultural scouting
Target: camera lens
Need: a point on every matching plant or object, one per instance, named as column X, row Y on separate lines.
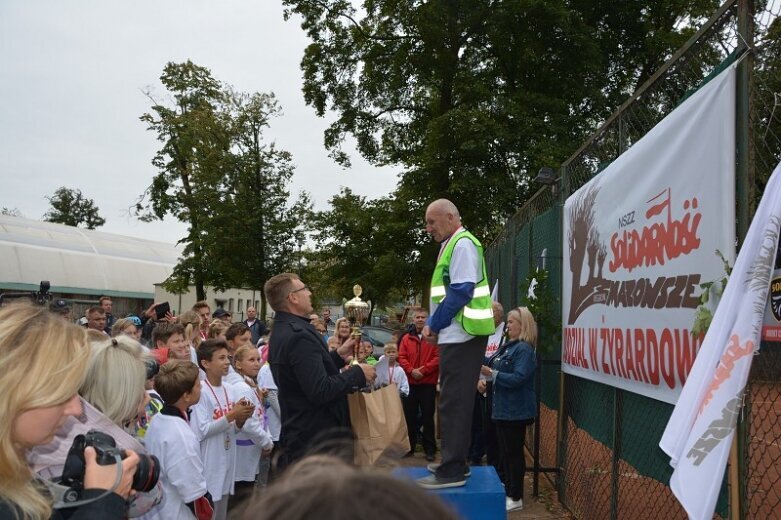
column 147, row 473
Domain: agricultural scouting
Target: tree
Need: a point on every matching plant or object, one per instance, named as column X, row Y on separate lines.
column 217, row 175
column 469, row 97
column 191, row 165
column 72, row 208
column 11, row 212
column 369, row 243
column 263, row 229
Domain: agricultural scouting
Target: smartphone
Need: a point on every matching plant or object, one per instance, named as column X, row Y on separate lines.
column 161, row 309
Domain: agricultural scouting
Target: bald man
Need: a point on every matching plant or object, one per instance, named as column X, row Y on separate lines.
column 460, row 322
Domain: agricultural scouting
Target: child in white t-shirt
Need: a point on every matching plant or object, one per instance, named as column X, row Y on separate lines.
column 216, row 419
column 395, row 372
column 273, row 419
column 236, row 336
column 170, row 438
column 254, row 439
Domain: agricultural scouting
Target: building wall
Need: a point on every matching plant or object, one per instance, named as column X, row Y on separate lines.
column 235, row 301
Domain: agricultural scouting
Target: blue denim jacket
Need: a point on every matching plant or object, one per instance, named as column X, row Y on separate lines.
column 513, row 387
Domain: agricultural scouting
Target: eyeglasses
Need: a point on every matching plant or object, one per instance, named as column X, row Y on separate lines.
column 306, row 287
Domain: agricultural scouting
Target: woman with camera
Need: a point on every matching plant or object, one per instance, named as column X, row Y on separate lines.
column 114, row 396
column 43, row 362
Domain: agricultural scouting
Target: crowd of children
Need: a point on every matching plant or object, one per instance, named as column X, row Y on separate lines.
column 213, row 417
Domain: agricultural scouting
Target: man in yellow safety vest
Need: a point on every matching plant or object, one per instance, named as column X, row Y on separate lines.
column 460, row 322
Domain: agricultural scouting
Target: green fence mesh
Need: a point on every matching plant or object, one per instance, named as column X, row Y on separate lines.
column 606, row 445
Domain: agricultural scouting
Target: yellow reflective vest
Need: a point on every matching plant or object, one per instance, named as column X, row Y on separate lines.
column 476, row 317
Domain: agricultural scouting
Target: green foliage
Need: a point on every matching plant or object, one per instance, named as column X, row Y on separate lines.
column 713, row 289
column 545, row 309
column 368, row 243
column 216, row 173
column 72, row 208
column 11, row 212
column 470, row 97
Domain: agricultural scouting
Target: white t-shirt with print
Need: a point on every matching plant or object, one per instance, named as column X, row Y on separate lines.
column 252, row 438
column 172, row 441
column 217, row 437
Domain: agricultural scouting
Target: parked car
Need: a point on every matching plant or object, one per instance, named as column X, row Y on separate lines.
column 378, row 337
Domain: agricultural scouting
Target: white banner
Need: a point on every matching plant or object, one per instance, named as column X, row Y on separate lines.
column 702, row 426
column 640, row 238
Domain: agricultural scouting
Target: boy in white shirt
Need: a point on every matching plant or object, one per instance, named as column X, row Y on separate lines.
column 170, row 438
column 395, row 372
column 216, row 419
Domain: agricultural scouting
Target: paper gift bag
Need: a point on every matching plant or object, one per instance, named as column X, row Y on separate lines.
column 378, row 424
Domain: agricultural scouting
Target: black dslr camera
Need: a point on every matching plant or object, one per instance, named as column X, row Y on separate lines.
column 40, row 297
column 145, row 479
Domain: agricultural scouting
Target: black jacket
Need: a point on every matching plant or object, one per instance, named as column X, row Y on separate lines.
column 108, row 507
column 257, row 329
column 312, row 391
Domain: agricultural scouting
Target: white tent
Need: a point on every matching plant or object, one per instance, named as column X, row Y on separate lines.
column 80, row 261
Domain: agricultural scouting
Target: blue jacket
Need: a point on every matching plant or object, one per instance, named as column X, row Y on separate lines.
column 514, row 365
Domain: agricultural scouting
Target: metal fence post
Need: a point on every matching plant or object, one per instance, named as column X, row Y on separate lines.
column 744, row 170
column 744, row 187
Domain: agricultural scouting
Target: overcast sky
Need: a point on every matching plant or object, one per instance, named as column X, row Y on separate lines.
column 71, row 81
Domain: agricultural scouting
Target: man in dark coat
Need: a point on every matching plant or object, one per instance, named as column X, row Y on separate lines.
column 312, row 391
column 256, row 327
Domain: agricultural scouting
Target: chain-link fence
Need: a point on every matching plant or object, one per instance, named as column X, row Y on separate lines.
column 761, row 420
column 605, row 440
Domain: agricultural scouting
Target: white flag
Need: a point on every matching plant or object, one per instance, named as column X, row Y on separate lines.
column 495, row 291
column 702, row 426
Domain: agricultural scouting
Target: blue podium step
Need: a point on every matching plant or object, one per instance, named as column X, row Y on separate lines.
column 481, row 499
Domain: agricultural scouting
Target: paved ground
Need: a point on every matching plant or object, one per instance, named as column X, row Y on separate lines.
column 546, row 505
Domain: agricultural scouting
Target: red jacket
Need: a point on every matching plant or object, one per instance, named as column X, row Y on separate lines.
column 414, row 352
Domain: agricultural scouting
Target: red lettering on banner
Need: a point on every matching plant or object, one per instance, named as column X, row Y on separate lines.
column 630, row 356
column 653, row 355
column 593, row 346
column 667, row 358
column 659, row 242
column 607, row 351
column 640, row 354
column 619, row 350
column 731, row 355
column 574, row 348
column 644, row 355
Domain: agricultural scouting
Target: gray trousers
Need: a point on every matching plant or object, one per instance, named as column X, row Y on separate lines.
column 459, row 370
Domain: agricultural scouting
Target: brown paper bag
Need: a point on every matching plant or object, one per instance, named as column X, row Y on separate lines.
column 378, row 424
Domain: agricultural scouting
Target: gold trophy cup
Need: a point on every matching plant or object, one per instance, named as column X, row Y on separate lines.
column 357, row 312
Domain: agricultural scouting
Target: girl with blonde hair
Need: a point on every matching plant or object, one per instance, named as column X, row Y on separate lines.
column 217, row 329
column 254, row 439
column 43, row 362
column 341, row 334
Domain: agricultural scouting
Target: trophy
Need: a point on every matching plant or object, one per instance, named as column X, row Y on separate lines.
column 357, row 312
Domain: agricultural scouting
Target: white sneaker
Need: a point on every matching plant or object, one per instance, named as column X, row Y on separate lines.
column 513, row 505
